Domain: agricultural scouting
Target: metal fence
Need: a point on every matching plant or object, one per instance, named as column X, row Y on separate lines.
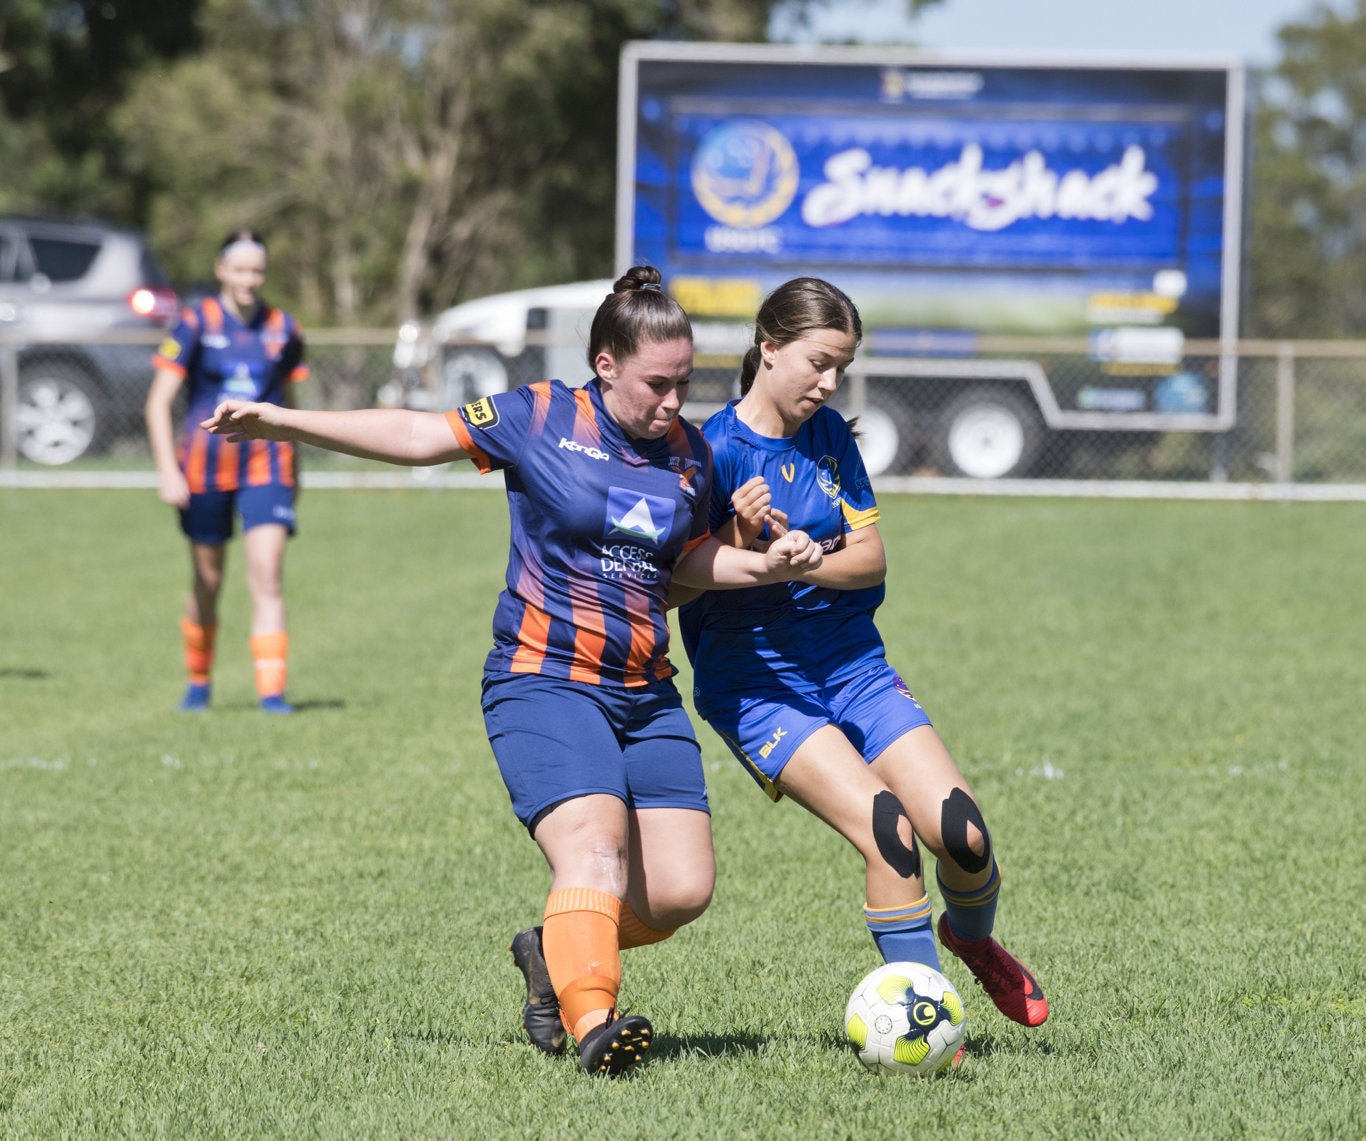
column 1285, row 419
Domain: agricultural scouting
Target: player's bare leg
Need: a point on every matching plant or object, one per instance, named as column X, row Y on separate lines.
column 585, row 841
column 199, row 622
column 265, row 553
column 829, row 778
column 946, row 817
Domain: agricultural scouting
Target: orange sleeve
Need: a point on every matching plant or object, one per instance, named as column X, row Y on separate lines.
column 462, row 437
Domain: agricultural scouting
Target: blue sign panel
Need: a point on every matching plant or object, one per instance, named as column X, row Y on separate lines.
column 995, row 199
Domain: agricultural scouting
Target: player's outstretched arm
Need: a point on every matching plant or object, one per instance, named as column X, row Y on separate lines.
column 712, row 564
column 394, row 435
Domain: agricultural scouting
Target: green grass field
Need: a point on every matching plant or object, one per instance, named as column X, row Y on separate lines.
column 233, row 925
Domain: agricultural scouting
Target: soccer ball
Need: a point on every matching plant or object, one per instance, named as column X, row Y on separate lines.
column 905, row 1018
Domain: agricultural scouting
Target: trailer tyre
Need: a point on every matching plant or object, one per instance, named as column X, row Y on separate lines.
column 884, row 440
column 988, row 433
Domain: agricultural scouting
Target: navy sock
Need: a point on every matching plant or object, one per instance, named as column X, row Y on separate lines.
column 972, row 914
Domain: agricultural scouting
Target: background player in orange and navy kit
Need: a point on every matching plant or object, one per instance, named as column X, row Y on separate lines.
column 794, row 676
column 608, row 494
column 232, row 346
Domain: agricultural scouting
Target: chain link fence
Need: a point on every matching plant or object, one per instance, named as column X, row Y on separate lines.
column 1041, row 415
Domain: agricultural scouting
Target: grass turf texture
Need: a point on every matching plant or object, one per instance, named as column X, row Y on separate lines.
column 237, row 925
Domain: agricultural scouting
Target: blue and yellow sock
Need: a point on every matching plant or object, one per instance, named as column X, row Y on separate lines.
column 972, row 914
column 904, row 934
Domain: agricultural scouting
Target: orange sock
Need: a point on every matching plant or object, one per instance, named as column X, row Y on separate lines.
column 198, row 650
column 270, row 652
column 633, row 933
column 579, row 941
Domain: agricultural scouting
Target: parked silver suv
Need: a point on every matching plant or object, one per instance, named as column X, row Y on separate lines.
column 81, row 303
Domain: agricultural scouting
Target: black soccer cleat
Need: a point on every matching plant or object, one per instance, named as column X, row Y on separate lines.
column 617, row 1045
column 541, row 1012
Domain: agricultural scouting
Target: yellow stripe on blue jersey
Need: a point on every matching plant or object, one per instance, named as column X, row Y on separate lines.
column 857, row 519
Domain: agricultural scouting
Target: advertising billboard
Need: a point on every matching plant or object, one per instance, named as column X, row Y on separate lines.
column 947, row 195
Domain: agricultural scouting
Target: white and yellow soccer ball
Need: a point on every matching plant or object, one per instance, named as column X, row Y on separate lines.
column 905, row 1018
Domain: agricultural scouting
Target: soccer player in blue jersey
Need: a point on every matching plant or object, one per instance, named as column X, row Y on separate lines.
column 608, row 492
column 794, row 675
column 232, row 345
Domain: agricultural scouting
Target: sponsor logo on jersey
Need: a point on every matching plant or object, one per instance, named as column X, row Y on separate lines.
column 828, row 476
column 583, row 449
column 216, row 340
column 772, row 743
column 622, row 561
column 789, row 472
column 645, row 518
column 480, row 414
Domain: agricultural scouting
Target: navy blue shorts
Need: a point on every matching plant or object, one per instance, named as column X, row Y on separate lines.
column 764, row 726
column 555, row 740
column 209, row 517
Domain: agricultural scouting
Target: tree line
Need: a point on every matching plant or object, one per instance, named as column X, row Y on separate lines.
column 401, row 155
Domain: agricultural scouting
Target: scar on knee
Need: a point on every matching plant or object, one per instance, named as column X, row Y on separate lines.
column 958, row 812
column 902, row 858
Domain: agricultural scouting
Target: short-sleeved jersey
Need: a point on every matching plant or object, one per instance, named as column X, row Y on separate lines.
column 598, row 521
column 226, row 359
column 791, row 632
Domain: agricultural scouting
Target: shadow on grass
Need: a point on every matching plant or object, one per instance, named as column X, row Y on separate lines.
column 22, row 673
column 707, row 1045
column 663, row 1046
column 315, row 706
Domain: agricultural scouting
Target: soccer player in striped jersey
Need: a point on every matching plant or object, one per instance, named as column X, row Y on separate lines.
column 230, row 346
column 794, row 676
column 608, row 493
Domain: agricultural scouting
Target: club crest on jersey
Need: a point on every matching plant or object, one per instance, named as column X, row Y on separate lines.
column 480, row 414
column 828, row 476
column 645, row 518
column 687, row 469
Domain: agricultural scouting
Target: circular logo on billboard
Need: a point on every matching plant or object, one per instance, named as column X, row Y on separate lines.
column 745, row 174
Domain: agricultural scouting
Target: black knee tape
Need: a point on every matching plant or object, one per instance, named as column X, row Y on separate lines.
column 903, row 860
column 957, row 812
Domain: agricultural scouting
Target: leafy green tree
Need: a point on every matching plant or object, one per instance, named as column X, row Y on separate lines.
column 66, row 66
column 401, row 154
column 1308, row 215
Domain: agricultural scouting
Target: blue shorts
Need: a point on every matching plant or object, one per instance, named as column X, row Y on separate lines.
column 209, row 517
column 765, row 726
column 555, row 740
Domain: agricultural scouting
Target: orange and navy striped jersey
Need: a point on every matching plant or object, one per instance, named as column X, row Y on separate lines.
column 223, row 358
column 598, row 521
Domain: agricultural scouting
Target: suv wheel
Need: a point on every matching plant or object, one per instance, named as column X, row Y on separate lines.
column 988, row 433
column 58, row 418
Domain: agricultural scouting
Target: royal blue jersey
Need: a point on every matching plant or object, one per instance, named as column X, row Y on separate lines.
column 226, row 359
column 791, row 632
column 598, row 521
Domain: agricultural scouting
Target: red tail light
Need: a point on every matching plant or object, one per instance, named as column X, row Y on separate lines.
column 149, row 301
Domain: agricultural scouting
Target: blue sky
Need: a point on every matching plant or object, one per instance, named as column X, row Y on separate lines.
column 1242, row 28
